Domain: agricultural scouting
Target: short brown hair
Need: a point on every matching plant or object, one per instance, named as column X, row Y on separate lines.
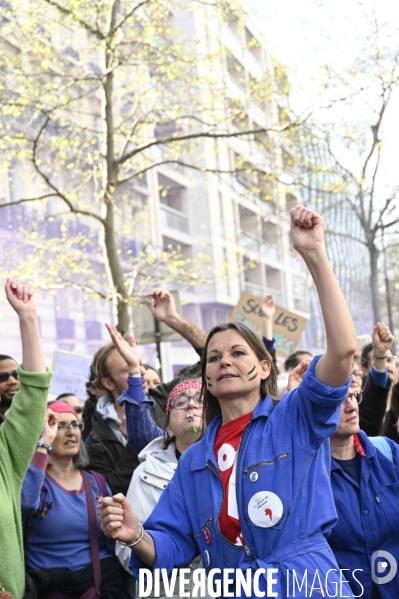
column 100, row 366
column 266, row 387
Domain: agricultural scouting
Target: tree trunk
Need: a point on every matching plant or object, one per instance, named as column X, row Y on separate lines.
column 111, row 256
column 375, row 300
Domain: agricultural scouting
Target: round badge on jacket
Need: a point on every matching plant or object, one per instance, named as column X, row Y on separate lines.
column 265, row 509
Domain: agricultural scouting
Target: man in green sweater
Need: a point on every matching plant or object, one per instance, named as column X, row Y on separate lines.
column 18, row 437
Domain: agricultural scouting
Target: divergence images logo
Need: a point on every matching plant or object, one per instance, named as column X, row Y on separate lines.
column 384, row 558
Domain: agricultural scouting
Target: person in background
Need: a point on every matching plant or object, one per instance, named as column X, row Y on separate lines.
column 269, row 309
column 365, row 483
column 73, row 401
column 258, row 464
column 377, row 384
column 19, row 435
column 106, row 444
column 390, row 425
column 361, row 341
column 163, row 309
column 296, row 358
column 93, row 395
column 391, row 366
column 55, row 496
column 151, row 376
column 160, row 457
column 9, row 383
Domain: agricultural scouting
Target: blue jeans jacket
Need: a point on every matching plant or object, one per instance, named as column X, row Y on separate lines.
column 368, row 517
column 141, row 428
column 283, row 463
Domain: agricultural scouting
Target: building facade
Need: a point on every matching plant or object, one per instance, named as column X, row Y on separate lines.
column 233, row 208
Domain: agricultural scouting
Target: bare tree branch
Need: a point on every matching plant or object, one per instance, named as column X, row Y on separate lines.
column 96, row 32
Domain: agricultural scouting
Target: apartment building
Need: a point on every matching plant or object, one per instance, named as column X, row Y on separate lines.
column 214, row 211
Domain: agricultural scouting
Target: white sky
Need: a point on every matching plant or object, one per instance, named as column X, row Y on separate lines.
column 306, row 34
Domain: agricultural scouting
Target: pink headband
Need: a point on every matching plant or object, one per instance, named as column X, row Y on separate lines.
column 61, row 406
column 177, row 390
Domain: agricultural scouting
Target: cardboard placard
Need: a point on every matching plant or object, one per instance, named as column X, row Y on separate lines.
column 70, row 373
column 287, row 326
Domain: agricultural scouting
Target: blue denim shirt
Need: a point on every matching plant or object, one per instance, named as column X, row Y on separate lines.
column 284, row 457
column 141, row 428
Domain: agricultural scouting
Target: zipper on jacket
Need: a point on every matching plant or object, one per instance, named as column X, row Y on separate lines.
column 198, row 534
column 378, row 499
column 283, row 455
column 246, row 549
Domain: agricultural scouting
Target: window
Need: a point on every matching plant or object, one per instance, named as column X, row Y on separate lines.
column 65, row 328
column 93, row 330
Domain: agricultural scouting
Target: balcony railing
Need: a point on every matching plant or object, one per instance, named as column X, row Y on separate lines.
column 173, row 219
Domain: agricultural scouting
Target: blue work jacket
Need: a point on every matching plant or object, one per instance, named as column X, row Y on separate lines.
column 368, row 517
column 283, row 459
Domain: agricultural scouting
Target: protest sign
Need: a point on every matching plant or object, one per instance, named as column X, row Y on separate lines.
column 70, row 373
column 287, row 326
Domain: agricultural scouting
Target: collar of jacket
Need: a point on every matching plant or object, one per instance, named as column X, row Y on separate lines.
column 204, row 449
column 101, row 431
column 369, row 449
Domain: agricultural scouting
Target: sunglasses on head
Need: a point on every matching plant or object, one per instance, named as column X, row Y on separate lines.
column 4, row 376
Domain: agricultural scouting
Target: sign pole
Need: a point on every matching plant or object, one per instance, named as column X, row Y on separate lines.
column 158, row 336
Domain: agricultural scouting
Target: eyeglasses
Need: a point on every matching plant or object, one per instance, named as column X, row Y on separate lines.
column 356, row 395
column 183, row 400
column 358, row 374
column 4, row 376
column 64, row 426
column 391, row 359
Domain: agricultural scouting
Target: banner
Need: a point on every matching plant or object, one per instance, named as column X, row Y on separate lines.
column 70, row 373
column 287, row 326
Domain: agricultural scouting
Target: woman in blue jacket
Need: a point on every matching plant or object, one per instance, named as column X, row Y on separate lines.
column 365, row 483
column 254, row 494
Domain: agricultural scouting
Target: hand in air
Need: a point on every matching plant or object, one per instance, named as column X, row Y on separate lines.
column 307, row 229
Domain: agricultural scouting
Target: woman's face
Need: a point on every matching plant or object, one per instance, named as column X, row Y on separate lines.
column 151, row 378
column 179, row 426
column 67, row 441
column 233, row 370
column 356, row 383
column 349, row 420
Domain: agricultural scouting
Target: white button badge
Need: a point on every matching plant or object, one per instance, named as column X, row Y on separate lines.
column 265, row 509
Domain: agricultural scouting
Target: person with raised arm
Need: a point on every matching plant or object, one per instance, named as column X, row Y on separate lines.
column 253, row 494
column 19, row 435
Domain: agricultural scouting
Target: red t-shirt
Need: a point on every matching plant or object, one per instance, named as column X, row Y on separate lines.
column 226, row 445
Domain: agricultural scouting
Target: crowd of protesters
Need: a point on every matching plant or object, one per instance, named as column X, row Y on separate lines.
column 232, row 464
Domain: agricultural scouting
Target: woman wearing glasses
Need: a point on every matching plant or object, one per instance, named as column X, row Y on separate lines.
column 253, row 494
column 56, row 512
column 159, row 458
column 365, row 483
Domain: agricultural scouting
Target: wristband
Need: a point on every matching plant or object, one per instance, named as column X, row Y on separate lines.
column 134, row 542
column 379, row 357
column 41, row 443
